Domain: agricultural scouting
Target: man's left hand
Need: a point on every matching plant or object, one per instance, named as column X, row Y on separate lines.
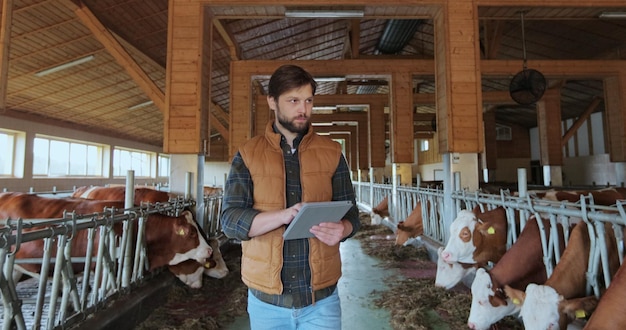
column 330, row 233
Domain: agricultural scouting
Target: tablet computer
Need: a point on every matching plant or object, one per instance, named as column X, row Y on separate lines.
column 312, row 214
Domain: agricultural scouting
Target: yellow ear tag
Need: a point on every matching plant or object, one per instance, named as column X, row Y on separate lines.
column 580, row 314
column 516, row 301
column 491, row 230
column 181, row 232
column 207, row 265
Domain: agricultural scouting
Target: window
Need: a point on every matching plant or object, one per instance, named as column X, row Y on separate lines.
column 55, row 157
column 424, row 145
column 503, row 133
column 127, row 159
column 164, row 165
column 7, row 144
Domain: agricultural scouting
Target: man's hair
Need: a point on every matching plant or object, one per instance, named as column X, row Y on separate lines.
column 288, row 77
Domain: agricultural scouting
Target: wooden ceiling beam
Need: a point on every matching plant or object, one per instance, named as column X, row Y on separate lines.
column 113, row 46
column 579, row 122
column 489, row 68
column 221, row 113
column 494, row 30
column 355, row 33
column 219, row 127
column 234, row 49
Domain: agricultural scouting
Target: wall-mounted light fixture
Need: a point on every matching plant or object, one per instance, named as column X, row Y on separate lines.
column 326, row 13
column 613, row 14
column 140, row 105
column 64, row 66
column 329, row 79
column 324, row 109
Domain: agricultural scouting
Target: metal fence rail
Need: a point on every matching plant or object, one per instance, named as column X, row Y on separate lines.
column 66, row 298
column 518, row 211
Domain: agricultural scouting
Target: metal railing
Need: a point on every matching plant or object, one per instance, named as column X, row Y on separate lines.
column 66, row 298
column 518, row 211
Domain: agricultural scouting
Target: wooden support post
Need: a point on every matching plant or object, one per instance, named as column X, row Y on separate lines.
column 182, row 116
column 489, row 157
column 401, row 114
column 615, row 91
column 376, row 136
column 549, row 118
column 6, row 17
column 459, row 99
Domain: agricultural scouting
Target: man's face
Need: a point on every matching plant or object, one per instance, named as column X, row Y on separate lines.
column 293, row 109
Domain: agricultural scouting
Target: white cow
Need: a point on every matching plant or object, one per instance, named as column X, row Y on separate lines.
column 450, row 274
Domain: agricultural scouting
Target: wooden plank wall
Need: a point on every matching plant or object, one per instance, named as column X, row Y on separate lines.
column 182, row 118
column 459, row 99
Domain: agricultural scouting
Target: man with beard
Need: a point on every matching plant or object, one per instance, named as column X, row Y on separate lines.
column 292, row 284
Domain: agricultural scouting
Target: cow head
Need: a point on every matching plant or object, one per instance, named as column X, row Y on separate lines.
column 489, row 304
column 541, row 307
column 403, row 233
column 189, row 272
column 218, row 268
column 411, row 227
column 460, row 247
column 577, row 308
column 375, row 219
column 172, row 240
column 546, row 309
column 450, row 274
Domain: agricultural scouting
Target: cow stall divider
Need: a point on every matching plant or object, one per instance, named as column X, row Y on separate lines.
column 518, row 210
column 66, row 298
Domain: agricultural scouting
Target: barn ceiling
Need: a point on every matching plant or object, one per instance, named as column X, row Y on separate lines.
column 101, row 95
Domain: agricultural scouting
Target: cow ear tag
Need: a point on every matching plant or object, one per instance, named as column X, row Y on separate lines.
column 516, row 301
column 180, row 232
column 491, row 230
column 580, row 314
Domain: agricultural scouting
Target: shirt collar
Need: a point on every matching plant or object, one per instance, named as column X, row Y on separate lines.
column 283, row 140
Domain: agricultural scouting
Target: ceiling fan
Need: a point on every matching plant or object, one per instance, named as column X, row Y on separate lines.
column 527, row 86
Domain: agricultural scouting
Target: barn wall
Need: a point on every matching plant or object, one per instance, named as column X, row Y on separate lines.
column 218, row 150
column 215, row 173
column 430, row 172
column 517, row 147
column 430, row 156
column 589, row 170
column 47, row 184
column 588, row 140
column 507, row 168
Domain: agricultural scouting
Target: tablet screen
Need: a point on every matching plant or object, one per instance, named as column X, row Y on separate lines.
column 312, row 214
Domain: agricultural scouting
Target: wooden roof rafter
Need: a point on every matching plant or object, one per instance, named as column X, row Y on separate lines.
column 114, row 47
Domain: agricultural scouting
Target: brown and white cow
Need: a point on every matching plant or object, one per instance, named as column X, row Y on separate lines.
column 521, row 265
column 118, row 193
column 211, row 191
column 563, row 296
column 380, row 211
column 609, row 314
column 190, row 271
column 411, row 227
column 607, row 196
column 169, row 240
column 477, row 238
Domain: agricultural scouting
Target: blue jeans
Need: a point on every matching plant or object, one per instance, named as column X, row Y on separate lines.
column 324, row 314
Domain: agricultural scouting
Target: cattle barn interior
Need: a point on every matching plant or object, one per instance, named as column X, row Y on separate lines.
column 453, row 104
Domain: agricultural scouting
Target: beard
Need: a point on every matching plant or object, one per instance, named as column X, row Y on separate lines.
column 291, row 125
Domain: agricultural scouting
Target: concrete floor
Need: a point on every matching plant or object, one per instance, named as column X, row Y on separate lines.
column 357, row 290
